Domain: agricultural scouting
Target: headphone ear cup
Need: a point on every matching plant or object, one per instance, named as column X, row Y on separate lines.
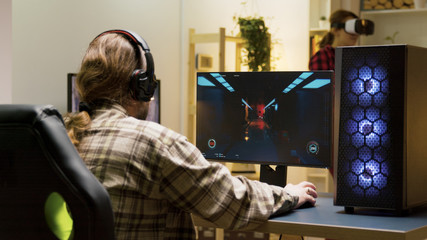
column 150, row 64
column 142, row 85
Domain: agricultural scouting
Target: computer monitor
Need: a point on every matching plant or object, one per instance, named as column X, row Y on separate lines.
column 267, row 118
column 74, row 99
column 154, row 110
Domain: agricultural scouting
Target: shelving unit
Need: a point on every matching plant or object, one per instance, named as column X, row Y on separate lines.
column 409, row 25
column 319, row 8
column 195, row 39
column 315, row 37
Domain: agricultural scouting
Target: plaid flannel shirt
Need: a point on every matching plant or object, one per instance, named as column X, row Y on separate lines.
column 324, row 59
column 156, row 179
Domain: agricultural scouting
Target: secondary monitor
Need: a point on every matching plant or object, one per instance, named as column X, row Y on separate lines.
column 74, row 99
column 269, row 118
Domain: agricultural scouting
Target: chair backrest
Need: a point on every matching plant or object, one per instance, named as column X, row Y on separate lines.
column 37, row 159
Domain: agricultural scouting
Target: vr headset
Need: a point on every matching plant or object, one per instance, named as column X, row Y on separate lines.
column 356, row 26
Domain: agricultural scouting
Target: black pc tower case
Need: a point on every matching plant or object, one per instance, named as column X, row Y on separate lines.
column 381, row 143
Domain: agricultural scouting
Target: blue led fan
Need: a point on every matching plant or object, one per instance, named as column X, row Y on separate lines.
column 364, row 139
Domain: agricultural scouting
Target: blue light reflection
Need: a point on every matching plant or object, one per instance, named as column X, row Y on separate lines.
column 367, row 93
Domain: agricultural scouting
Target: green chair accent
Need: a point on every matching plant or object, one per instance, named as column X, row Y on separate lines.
column 58, row 217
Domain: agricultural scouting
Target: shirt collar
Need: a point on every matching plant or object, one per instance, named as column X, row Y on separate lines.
column 107, row 105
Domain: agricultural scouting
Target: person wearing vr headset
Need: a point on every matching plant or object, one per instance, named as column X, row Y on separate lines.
column 345, row 30
column 156, row 179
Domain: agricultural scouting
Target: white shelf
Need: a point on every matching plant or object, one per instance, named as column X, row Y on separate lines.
column 319, row 30
column 396, row 11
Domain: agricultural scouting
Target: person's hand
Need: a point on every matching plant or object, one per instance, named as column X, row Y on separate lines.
column 306, row 192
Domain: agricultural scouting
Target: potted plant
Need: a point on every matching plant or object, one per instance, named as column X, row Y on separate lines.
column 392, row 37
column 323, row 23
column 257, row 46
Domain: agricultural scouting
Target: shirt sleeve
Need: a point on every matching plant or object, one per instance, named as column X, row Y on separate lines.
column 208, row 190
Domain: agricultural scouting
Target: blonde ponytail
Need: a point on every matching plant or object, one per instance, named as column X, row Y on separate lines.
column 76, row 124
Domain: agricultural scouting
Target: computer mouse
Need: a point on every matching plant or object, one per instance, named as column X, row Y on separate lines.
column 306, row 205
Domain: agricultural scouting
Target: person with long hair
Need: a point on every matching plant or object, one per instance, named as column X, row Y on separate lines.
column 324, row 59
column 155, row 178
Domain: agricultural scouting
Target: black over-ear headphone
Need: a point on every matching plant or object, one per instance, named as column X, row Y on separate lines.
column 142, row 83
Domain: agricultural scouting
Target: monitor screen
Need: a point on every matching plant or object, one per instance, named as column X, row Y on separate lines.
column 274, row 118
column 72, row 93
column 154, row 110
column 74, row 99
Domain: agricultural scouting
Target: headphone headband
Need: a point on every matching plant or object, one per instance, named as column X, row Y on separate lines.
column 142, row 83
column 135, row 38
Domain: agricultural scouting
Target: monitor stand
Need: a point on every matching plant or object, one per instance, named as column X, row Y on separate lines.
column 274, row 177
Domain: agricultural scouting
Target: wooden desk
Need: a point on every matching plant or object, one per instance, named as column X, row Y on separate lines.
column 328, row 221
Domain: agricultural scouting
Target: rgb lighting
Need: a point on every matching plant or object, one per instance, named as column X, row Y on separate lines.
column 366, row 130
column 202, row 81
column 268, row 105
column 244, row 102
column 297, row 81
column 221, row 80
column 318, row 83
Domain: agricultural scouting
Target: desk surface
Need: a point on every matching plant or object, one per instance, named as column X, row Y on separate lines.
column 329, row 221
